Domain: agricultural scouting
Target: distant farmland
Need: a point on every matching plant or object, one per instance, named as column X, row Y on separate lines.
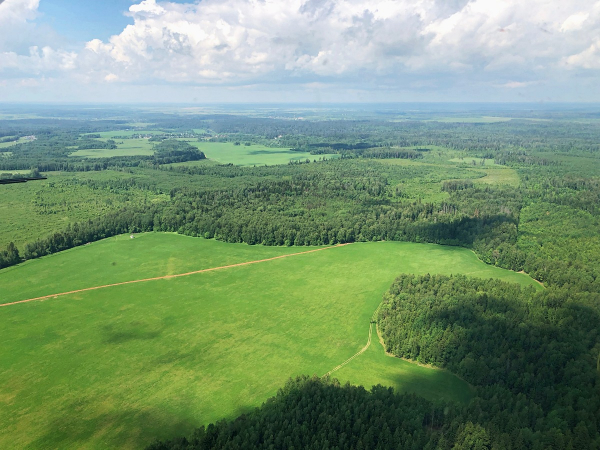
column 243, row 155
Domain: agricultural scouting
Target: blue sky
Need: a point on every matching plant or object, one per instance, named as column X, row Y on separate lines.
column 82, row 21
column 300, row 50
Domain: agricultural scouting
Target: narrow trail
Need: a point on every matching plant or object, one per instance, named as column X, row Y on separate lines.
column 362, row 350
column 166, row 277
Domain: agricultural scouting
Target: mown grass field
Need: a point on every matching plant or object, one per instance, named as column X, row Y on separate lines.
column 120, row 366
column 125, row 147
column 242, row 155
column 499, row 175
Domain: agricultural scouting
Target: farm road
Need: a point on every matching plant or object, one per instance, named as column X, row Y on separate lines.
column 362, row 350
column 165, row 277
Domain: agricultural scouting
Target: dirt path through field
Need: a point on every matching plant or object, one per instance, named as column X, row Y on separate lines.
column 165, row 277
column 362, row 350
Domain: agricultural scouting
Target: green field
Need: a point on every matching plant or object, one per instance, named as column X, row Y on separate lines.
column 120, row 366
column 112, row 134
column 30, row 211
column 499, row 175
column 125, row 147
column 242, row 155
column 16, row 172
column 10, row 144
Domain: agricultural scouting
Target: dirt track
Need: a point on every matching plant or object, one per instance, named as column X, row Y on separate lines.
column 362, row 350
column 165, row 277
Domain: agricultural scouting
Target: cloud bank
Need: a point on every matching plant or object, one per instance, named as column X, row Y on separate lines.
column 360, row 44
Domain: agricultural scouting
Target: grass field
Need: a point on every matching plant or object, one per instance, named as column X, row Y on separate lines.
column 113, row 134
column 120, row 366
column 242, row 155
column 19, row 172
column 10, row 144
column 29, row 211
column 125, row 147
column 499, row 175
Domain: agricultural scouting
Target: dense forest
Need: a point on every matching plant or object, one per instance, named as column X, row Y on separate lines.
column 314, row 413
column 519, row 348
column 532, row 357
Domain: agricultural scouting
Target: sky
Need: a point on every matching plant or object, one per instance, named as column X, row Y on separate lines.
column 313, row 51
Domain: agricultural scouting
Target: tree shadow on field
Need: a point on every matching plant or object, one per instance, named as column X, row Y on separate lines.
column 428, row 386
column 268, row 152
column 127, row 428
column 119, row 333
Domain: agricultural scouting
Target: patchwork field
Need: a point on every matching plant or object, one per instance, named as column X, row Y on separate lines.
column 122, row 365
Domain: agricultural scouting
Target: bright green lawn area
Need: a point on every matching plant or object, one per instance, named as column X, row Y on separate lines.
column 120, row 366
column 498, row 175
column 125, row 147
column 242, row 155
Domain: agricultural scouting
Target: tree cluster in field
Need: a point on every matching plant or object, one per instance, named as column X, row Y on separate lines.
column 456, row 185
column 88, row 143
column 165, row 152
column 532, row 356
column 313, row 413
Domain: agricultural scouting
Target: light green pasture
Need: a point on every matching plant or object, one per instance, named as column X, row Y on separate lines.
column 125, row 147
column 10, row 144
column 120, row 366
column 242, row 155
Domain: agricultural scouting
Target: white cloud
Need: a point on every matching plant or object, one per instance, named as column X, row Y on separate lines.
column 587, row 59
column 243, row 41
column 306, row 42
column 574, row 22
column 24, row 48
column 517, row 84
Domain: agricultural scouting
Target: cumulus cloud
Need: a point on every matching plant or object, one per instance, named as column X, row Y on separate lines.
column 24, row 46
column 237, row 41
column 307, row 42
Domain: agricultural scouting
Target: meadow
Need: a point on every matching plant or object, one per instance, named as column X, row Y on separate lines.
column 250, row 155
column 32, row 210
column 119, row 366
column 125, row 147
column 11, row 143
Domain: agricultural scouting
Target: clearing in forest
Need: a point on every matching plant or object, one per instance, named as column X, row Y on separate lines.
column 121, row 366
column 249, row 155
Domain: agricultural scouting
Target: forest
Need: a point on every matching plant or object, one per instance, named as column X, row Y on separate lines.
column 533, row 358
